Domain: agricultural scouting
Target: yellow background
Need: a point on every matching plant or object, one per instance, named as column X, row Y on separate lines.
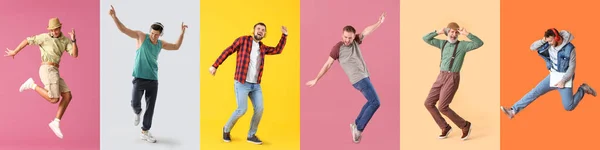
column 222, row 23
column 478, row 96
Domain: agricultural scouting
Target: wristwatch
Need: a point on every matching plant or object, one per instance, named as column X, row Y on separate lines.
column 74, row 41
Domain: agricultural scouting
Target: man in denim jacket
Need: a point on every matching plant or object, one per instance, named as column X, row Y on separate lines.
column 559, row 54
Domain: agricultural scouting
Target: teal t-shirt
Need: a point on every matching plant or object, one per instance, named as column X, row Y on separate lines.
column 146, row 65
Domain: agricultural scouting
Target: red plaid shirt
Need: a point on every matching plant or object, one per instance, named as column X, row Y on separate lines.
column 243, row 47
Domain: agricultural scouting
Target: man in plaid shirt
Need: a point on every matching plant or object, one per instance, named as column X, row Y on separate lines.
column 249, row 67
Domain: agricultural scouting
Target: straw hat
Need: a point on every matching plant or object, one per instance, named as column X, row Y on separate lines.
column 54, row 23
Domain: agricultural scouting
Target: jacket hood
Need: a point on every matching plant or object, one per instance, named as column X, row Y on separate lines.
column 567, row 38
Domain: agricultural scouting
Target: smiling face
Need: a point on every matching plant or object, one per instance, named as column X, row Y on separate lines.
column 155, row 32
column 452, row 35
column 55, row 32
column 154, row 35
column 259, row 31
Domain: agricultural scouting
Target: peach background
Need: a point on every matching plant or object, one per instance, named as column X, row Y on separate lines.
column 477, row 99
column 545, row 124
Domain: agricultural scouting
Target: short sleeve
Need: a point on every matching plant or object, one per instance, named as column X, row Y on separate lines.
column 335, row 51
column 359, row 38
column 37, row 39
column 69, row 47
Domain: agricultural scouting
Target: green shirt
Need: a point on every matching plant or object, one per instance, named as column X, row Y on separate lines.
column 51, row 48
column 146, row 65
column 461, row 51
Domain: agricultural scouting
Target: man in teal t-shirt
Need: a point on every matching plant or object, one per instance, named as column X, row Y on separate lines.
column 145, row 70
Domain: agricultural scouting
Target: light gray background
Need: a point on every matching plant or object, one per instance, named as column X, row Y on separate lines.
column 176, row 122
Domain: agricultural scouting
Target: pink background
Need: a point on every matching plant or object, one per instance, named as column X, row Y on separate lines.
column 329, row 107
column 25, row 116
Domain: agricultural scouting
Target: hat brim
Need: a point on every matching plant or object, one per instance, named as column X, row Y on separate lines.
column 55, row 27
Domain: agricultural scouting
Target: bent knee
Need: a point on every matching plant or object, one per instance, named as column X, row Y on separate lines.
column 259, row 110
column 429, row 104
column 376, row 104
column 54, row 100
column 240, row 111
column 67, row 95
column 567, row 108
column 445, row 109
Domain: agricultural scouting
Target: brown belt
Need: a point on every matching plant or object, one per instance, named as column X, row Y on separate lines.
column 51, row 64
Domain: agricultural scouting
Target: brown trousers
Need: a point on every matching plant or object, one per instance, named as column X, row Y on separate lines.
column 443, row 90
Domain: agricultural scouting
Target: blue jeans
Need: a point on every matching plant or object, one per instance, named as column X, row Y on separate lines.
column 369, row 109
column 569, row 100
column 242, row 92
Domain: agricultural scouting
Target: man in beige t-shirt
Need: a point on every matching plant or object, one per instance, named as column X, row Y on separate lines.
column 52, row 46
column 348, row 53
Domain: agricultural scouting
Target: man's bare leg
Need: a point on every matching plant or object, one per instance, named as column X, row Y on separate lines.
column 54, row 124
column 30, row 84
column 62, row 107
column 64, row 103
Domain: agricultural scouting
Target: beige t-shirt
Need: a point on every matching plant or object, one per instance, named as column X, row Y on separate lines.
column 351, row 59
column 51, row 48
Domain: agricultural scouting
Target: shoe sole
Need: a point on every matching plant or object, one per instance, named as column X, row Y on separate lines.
column 353, row 134
column 145, row 139
column 21, row 88
column 257, row 143
column 468, row 133
column 57, row 133
column 592, row 91
column 444, row 137
column 226, row 141
column 506, row 112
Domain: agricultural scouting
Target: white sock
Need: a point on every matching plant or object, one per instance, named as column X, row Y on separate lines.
column 33, row 85
column 56, row 120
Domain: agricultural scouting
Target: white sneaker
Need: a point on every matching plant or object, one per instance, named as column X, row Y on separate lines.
column 54, row 125
column 136, row 119
column 28, row 85
column 355, row 133
column 146, row 136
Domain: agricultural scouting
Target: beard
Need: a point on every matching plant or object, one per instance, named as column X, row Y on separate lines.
column 452, row 40
column 258, row 37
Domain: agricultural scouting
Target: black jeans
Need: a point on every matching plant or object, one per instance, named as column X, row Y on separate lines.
column 150, row 88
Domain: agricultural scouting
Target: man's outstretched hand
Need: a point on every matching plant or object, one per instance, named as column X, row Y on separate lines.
column 10, row 53
column 112, row 11
column 284, row 30
column 311, row 83
column 212, row 70
column 183, row 27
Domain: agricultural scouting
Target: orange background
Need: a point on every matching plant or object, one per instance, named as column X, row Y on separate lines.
column 545, row 124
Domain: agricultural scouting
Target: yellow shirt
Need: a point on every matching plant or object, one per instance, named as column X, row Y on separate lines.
column 51, row 48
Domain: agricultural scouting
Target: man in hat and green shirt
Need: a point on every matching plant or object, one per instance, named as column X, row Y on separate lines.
column 52, row 46
column 453, row 53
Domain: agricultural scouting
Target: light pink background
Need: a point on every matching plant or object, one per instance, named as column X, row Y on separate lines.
column 24, row 117
column 329, row 107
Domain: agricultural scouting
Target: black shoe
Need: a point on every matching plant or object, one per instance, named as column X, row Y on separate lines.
column 254, row 140
column 226, row 136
